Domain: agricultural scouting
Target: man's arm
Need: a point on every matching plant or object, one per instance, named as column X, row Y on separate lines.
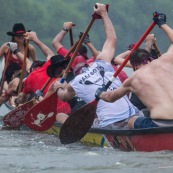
column 56, row 43
column 150, row 40
column 65, row 92
column 108, row 49
column 119, row 59
column 3, row 49
column 32, row 52
column 45, row 50
column 113, row 95
column 160, row 20
column 169, row 32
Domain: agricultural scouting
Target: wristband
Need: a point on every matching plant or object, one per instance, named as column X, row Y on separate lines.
column 65, row 29
column 16, row 51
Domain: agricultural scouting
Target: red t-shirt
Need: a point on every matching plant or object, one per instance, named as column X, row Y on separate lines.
column 36, row 80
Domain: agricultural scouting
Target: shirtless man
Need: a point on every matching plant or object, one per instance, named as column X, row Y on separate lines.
column 152, row 82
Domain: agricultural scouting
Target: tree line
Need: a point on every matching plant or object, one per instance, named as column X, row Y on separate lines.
column 46, row 17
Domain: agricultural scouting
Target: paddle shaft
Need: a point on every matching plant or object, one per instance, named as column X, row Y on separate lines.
column 23, row 66
column 46, row 84
column 156, row 49
column 128, row 56
column 71, row 37
column 4, row 70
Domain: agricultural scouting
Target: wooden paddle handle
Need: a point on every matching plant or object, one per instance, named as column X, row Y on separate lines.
column 71, row 37
column 23, row 66
column 156, row 49
column 46, row 84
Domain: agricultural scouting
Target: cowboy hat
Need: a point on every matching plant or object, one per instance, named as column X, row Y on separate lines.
column 18, row 30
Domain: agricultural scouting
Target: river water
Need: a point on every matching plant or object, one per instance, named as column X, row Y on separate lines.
column 28, row 151
column 31, row 152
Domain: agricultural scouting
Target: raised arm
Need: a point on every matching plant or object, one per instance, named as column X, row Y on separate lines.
column 119, row 59
column 45, row 50
column 113, row 95
column 4, row 48
column 108, row 49
column 56, row 43
column 160, row 20
column 32, row 52
column 150, row 40
column 169, row 32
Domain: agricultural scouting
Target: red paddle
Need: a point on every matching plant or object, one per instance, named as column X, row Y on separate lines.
column 15, row 118
column 79, row 123
column 42, row 116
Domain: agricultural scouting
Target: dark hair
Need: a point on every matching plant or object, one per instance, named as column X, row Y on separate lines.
column 36, row 64
column 83, row 51
column 10, row 71
column 140, row 56
column 58, row 63
column 154, row 54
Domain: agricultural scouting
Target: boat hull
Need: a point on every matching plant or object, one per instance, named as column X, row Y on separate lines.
column 147, row 140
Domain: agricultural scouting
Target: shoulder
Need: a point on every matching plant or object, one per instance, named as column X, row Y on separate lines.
column 166, row 57
column 127, row 82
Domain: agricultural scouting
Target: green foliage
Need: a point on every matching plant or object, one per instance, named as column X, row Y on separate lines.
column 129, row 17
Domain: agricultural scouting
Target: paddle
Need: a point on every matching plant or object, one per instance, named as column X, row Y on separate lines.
column 37, row 117
column 79, row 123
column 15, row 118
column 23, row 65
column 156, row 49
column 3, row 74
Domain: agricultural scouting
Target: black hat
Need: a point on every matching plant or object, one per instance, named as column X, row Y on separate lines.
column 58, row 63
column 18, row 29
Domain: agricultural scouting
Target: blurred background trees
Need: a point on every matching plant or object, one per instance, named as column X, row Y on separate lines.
column 46, row 17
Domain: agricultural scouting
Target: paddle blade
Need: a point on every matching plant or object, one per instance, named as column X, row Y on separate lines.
column 42, row 116
column 78, row 123
column 15, row 118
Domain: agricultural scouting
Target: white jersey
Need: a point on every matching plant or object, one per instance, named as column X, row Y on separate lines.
column 86, row 84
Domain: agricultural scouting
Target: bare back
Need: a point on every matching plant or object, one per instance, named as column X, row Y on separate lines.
column 153, row 84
